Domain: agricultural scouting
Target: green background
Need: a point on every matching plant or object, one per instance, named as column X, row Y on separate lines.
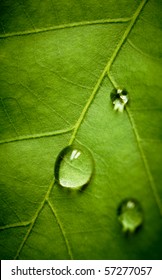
column 59, row 62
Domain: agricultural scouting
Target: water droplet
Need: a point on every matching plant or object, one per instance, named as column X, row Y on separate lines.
column 119, row 98
column 130, row 215
column 74, row 167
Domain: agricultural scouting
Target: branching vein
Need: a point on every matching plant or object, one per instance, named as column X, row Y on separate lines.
column 34, row 220
column 36, row 136
column 65, row 26
column 90, row 100
column 106, row 69
column 15, row 225
column 62, row 230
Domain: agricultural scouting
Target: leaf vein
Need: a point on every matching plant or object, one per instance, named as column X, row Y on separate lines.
column 126, row 33
column 139, row 141
column 65, row 26
column 36, row 136
column 150, row 177
column 9, row 117
column 15, row 225
column 34, row 220
column 45, row 104
column 62, row 229
column 141, row 52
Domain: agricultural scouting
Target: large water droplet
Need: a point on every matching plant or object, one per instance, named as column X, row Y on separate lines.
column 119, row 98
column 130, row 215
column 74, row 167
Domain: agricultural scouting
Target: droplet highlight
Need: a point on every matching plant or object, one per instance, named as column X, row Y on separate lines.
column 130, row 215
column 74, row 167
column 119, row 98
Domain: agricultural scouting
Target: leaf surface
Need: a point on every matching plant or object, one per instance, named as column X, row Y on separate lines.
column 59, row 62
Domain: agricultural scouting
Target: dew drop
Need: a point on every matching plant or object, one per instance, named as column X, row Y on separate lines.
column 130, row 215
column 74, row 167
column 119, row 98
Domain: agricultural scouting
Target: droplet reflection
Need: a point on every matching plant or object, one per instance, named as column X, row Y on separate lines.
column 74, row 167
column 119, row 98
column 130, row 215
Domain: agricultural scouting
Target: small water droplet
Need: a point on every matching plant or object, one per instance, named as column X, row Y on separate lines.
column 119, row 98
column 130, row 215
column 74, row 167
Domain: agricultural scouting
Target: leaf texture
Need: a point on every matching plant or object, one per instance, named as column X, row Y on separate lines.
column 59, row 62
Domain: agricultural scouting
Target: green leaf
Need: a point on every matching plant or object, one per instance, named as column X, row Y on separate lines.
column 59, row 62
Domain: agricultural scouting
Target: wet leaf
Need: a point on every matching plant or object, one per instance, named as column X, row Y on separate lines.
column 59, row 63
